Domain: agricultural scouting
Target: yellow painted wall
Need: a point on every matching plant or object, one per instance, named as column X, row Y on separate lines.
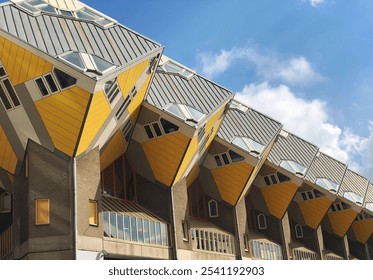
column 363, row 230
column 278, row 197
column 342, row 220
column 20, row 64
column 128, row 78
column 193, row 174
column 8, row 159
column 99, row 110
column 164, row 155
column 314, row 210
column 113, row 150
column 63, row 115
column 231, row 180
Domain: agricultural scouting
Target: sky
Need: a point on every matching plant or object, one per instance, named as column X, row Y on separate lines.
column 306, row 63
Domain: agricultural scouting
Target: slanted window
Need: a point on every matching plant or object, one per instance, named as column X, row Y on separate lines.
column 185, row 112
column 362, row 216
column 173, row 67
column 112, row 91
column 34, row 6
column 327, row 184
column 369, row 206
column 293, row 167
column 339, row 206
column 248, row 144
column 93, row 213
column 127, row 129
column 64, row 80
column 123, row 107
column 235, row 157
column 298, row 231
column 213, row 209
column 5, row 202
column 262, row 221
column 88, row 14
column 246, row 242
column 276, row 178
column 42, row 213
column 88, row 62
column 228, row 158
column 2, row 72
column 168, row 127
column 355, row 198
column 8, row 95
column 185, row 229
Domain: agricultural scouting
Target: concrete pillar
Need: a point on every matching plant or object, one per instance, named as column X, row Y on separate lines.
column 286, row 233
column 320, row 242
column 346, row 248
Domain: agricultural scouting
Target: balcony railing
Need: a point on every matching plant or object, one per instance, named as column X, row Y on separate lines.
column 333, row 257
column 212, row 241
column 299, row 254
column 265, row 250
column 6, row 242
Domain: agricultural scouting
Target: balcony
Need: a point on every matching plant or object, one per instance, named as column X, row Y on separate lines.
column 304, row 254
column 265, row 250
column 6, row 243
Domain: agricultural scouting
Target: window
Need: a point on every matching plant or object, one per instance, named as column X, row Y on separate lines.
column 127, row 129
column 173, row 67
column 248, row 144
column 93, row 213
column 369, row 206
column 5, row 202
column 264, row 250
column 293, row 167
column 185, row 229
column 88, row 62
column 262, row 221
column 34, row 6
column 206, row 240
column 8, row 95
column 185, row 112
column 201, row 133
column 213, row 209
column 42, row 211
column 123, row 107
column 64, row 80
column 228, row 158
column 362, row 216
column 159, row 128
column 246, row 242
column 88, row 14
column 327, row 184
column 339, row 206
column 276, row 178
column 112, row 91
column 353, row 197
column 311, row 194
column 298, row 231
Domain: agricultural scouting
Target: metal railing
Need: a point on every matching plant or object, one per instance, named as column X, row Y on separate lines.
column 6, row 242
column 304, row 255
column 212, row 241
column 265, row 250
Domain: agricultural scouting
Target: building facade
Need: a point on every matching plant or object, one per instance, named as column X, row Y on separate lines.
column 111, row 150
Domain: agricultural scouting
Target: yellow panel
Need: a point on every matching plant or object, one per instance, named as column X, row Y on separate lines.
column 128, row 78
column 164, row 155
column 93, row 213
column 231, row 180
column 342, row 220
column 113, row 150
column 192, row 149
column 20, row 64
column 193, row 174
column 314, row 210
column 63, row 114
column 136, row 102
column 42, row 211
column 8, row 160
column 363, row 230
column 278, row 197
column 99, row 110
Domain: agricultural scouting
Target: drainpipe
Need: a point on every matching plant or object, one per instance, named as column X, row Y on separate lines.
column 173, row 225
column 75, row 209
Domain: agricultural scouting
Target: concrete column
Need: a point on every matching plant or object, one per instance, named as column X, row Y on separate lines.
column 286, row 234
column 346, row 248
column 320, row 242
column 241, row 229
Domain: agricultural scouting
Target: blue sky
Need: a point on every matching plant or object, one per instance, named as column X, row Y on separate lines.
column 307, row 63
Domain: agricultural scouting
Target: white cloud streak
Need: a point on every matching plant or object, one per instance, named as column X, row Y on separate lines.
column 310, row 120
column 314, row 3
column 270, row 67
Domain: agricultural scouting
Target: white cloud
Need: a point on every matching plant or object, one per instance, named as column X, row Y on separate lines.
column 314, row 3
column 309, row 119
column 268, row 66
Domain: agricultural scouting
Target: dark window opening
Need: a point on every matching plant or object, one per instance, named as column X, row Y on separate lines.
column 43, row 89
column 218, row 160
column 148, row 131
column 11, row 92
column 157, row 129
column 266, row 179
column 282, row 178
column 52, row 85
column 225, row 158
column 235, row 157
column 2, row 72
column 64, row 79
column 5, row 99
column 274, row 180
column 168, row 127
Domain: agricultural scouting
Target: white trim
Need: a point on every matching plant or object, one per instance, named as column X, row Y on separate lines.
column 212, row 201
column 264, row 226
column 300, row 233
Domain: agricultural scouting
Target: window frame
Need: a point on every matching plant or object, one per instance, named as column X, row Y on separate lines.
column 185, row 230
column 264, row 220
column 37, row 206
column 298, row 229
column 5, row 203
column 94, row 203
column 209, row 203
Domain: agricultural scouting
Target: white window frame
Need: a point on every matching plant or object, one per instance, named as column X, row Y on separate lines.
column 299, row 228
column 260, row 226
column 5, row 203
column 185, row 230
column 213, row 201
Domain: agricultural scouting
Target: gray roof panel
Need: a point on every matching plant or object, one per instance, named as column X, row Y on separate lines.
column 55, row 34
column 251, row 124
column 292, row 148
column 197, row 92
column 369, row 195
column 325, row 166
column 353, row 182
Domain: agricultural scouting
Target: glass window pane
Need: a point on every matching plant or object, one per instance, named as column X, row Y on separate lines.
column 235, row 157
column 152, row 232
column 282, row 178
column 225, row 158
column 74, row 58
column 164, row 234
column 66, row 13
column 42, row 87
column 52, row 85
column 28, row 7
column 133, row 229
column 11, row 92
column 106, row 223
column 113, row 225
column 274, row 180
column 148, row 131
column 266, row 179
column 83, row 15
column 197, row 115
column 240, row 143
column 48, row 8
column 218, row 161
column 146, row 231
column 2, row 72
column 64, row 79
column 174, row 109
column 158, row 233
column 101, row 64
column 120, row 226
column 157, row 129
column 104, row 21
column 139, row 230
column 127, row 228
column 168, row 127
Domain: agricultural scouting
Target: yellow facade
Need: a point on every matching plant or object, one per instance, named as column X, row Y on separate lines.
column 128, row 78
column 314, row 210
column 20, row 64
column 165, row 154
column 278, row 197
column 193, row 174
column 99, row 110
column 113, row 150
column 231, row 180
column 342, row 220
column 363, row 230
column 63, row 116
column 192, row 150
column 8, row 159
